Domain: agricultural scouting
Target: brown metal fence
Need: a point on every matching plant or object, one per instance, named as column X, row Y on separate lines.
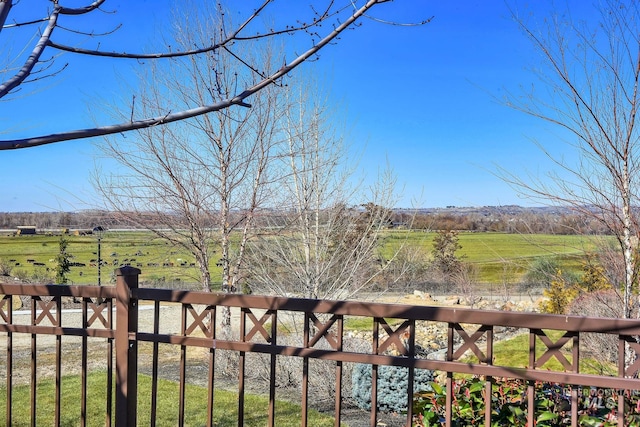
column 469, row 344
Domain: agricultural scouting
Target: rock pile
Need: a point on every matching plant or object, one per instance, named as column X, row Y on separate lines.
column 431, row 337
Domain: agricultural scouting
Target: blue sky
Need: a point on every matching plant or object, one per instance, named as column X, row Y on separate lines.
column 423, row 99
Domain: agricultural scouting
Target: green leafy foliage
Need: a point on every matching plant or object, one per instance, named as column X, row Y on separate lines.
column 563, row 290
column 594, row 276
column 596, row 407
column 559, row 295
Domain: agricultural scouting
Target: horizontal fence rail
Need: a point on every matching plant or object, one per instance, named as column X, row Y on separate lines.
column 257, row 328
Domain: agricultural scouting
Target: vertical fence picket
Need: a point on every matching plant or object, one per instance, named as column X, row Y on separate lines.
column 411, row 349
column 183, row 366
column 109, row 402
column 575, row 350
column 622, row 347
column 531, row 407
column 373, row 420
column 339, row 372
column 83, row 364
column 7, row 316
column 488, row 395
column 241, row 366
column 33, row 363
column 154, row 364
column 58, row 360
column 126, row 348
column 272, row 371
column 212, row 364
column 449, row 381
column 305, row 371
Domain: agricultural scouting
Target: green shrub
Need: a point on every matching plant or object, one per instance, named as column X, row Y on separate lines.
column 5, row 267
column 509, row 405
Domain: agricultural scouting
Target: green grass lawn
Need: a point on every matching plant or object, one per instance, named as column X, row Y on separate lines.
column 514, row 352
column 225, row 410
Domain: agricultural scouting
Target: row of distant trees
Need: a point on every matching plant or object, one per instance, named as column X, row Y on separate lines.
column 524, row 221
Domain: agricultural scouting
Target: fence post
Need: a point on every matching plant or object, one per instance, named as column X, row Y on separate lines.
column 126, row 349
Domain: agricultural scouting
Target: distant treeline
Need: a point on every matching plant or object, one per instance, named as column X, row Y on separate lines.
column 524, row 221
column 506, row 219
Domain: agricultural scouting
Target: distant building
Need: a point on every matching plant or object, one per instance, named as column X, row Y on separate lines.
column 24, row 230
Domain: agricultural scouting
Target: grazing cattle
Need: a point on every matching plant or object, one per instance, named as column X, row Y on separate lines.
column 41, row 264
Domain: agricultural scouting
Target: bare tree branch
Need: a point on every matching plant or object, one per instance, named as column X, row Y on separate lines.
column 235, row 36
column 169, row 117
column 33, row 59
column 80, row 10
column 5, row 8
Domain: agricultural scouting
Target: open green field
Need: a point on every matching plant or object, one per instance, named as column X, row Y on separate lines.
column 158, row 261
column 499, row 257
column 498, row 254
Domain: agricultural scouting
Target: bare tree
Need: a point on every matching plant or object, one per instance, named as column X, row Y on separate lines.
column 590, row 77
column 324, row 22
column 602, row 348
column 329, row 244
column 466, row 283
column 408, row 270
column 202, row 179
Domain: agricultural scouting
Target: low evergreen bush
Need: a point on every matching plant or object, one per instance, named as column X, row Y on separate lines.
column 392, row 386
